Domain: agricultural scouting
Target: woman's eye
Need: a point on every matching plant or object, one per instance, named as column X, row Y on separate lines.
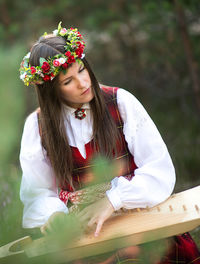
column 82, row 69
column 67, row 82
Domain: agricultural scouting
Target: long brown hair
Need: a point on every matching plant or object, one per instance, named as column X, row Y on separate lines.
column 53, row 133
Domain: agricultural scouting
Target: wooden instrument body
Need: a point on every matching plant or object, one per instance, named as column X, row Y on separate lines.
column 178, row 214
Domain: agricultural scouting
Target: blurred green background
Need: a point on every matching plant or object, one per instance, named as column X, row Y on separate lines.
column 151, row 48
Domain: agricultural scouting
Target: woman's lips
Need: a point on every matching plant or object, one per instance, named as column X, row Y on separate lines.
column 86, row 91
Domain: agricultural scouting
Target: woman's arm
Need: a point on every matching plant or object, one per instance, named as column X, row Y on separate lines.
column 155, row 176
column 38, row 190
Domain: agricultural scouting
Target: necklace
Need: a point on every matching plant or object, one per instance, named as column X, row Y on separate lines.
column 80, row 113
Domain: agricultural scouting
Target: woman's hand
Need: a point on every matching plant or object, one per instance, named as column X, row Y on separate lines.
column 97, row 213
column 47, row 227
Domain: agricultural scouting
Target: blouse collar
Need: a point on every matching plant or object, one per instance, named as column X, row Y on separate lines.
column 70, row 110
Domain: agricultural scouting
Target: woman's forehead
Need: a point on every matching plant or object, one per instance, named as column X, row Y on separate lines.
column 70, row 71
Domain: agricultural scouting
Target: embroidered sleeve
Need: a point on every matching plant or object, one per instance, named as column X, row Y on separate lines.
column 38, row 190
column 155, row 176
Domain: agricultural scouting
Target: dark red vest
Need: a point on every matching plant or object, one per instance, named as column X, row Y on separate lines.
column 82, row 166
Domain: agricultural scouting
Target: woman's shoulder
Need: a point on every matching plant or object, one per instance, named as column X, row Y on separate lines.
column 111, row 90
column 123, row 96
column 130, row 106
column 128, row 99
column 31, row 142
column 31, row 128
column 32, row 119
column 118, row 91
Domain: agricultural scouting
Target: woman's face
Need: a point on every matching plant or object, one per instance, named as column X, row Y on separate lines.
column 75, row 86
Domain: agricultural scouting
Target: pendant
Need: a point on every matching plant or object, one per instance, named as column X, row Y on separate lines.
column 80, row 113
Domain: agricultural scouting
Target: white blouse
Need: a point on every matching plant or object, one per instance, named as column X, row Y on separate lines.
column 153, row 181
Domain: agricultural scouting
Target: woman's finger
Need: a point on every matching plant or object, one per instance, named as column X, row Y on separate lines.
column 98, row 229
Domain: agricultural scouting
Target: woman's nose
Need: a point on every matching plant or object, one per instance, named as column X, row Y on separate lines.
column 81, row 82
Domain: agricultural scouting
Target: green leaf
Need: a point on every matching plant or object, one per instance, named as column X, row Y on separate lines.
column 64, row 71
column 59, row 27
column 42, row 60
column 79, row 61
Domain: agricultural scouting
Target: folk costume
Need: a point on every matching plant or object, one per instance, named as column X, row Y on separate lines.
column 147, row 180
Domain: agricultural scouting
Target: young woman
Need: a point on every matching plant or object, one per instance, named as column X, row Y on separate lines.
column 78, row 119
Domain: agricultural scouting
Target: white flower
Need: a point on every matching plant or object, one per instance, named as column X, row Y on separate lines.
column 83, row 55
column 62, row 60
column 27, row 55
column 55, row 32
column 22, row 76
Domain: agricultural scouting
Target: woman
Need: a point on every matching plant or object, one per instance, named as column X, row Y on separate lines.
column 77, row 120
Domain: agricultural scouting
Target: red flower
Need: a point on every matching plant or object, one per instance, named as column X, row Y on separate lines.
column 81, row 46
column 65, row 65
column 79, row 52
column 71, row 59
column 68, row 53
column 33, row 70
column 51, row 76
column 45, row 67
column 46, row 78
column 56, row 63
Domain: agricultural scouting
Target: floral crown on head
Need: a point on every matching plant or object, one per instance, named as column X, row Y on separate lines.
column 50, row 67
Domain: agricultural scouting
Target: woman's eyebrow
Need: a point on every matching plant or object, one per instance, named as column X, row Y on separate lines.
column 82, row 65
column 65, row 79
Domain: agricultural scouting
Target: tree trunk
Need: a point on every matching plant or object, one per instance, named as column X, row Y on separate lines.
column 192, row 64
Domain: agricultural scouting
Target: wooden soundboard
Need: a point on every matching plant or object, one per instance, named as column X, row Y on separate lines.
column 178, row 214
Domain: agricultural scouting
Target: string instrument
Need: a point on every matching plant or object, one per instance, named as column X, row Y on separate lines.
column 178, row 214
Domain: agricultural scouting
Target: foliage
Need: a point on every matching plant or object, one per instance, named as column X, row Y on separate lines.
column 12, row 111
column 133, row 44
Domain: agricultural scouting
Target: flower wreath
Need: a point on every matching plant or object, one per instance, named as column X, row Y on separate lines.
column 49, row 68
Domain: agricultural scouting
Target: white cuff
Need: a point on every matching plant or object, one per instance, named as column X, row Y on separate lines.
column 114, row 198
